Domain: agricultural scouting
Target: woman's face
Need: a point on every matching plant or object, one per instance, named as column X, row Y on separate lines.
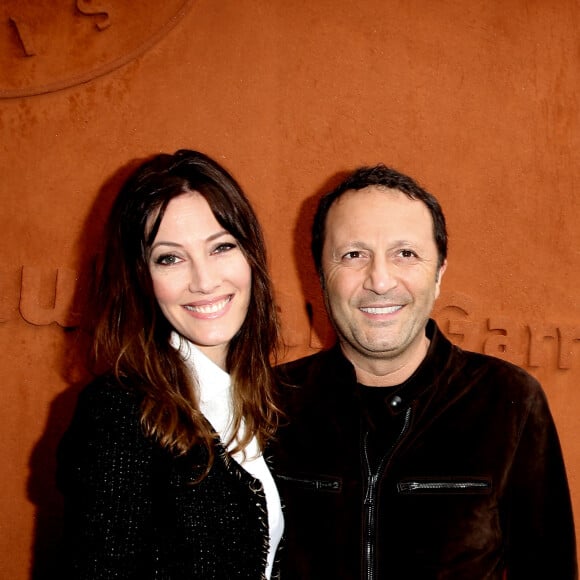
column 201, row 278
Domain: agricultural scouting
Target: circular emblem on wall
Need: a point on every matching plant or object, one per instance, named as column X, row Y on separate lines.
column 49, row 46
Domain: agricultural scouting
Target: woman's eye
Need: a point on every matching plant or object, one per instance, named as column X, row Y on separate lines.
column 224, row 247
column 167, row 260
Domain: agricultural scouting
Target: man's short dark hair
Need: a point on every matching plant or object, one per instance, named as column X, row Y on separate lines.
column 381, row 176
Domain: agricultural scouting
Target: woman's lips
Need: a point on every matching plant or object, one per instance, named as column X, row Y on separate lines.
column 209, row 308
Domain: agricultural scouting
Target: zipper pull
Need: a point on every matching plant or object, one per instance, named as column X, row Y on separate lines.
column 369, row 496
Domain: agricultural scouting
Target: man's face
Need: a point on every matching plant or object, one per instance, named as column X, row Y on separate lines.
column 380, row 271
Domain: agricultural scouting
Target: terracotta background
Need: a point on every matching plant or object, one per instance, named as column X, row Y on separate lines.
column 478, row 100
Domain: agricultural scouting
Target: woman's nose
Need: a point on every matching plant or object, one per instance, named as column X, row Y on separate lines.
column 204, row 277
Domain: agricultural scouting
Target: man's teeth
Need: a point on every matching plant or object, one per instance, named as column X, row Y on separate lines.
column 384, row 310
column 209, row 308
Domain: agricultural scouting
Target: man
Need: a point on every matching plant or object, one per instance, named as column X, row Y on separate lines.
column 403, row 456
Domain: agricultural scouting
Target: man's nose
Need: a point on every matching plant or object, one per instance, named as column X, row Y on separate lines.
column 380, row 276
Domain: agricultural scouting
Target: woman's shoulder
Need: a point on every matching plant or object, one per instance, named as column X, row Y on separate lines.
column 106, row 398
column 108, row 388
column 107, row 416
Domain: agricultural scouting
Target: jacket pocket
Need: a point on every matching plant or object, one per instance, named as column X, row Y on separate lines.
column 444, row 485
column 320, row 483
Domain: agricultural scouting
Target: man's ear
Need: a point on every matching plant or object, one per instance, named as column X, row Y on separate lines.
column 438, row 278
column 441, row 271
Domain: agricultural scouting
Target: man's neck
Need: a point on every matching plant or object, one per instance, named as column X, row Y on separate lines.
column 387, row 371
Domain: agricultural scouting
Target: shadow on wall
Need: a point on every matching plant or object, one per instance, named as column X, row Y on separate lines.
column 74, row 370
column 322, row 333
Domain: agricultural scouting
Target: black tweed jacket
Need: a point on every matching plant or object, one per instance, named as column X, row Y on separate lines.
column 132, row 511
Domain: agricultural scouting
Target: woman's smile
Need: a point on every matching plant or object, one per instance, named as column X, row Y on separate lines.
column 209, row 309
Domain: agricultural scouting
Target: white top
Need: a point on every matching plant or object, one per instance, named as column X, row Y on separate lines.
column 216, row 404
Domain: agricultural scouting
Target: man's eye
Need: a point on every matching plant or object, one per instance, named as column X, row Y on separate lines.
column 352, row 255
column 408, row 254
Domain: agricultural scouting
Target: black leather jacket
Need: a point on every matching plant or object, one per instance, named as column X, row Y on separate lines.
column 471, row 483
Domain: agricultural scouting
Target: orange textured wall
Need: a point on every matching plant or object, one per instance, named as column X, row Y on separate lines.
column 477, row 100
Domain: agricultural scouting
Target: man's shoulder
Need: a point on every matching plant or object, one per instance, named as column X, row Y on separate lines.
column 319, row 362
column 305, row 361
column 496, row 372
column 322, row 378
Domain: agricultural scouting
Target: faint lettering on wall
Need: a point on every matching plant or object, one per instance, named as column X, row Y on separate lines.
column 530, row 344
column 39, row 295
column 49, row 46
column 42, row 296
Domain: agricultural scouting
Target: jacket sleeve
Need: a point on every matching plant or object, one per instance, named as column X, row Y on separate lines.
column 104, row 473
column 541, row 529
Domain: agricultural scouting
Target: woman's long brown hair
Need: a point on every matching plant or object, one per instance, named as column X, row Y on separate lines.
column 131, row 335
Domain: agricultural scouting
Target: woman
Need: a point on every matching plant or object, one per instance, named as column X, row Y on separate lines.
column 161, row 468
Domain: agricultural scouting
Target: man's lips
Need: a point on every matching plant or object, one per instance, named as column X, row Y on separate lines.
column 209, row 308
column 380, row 309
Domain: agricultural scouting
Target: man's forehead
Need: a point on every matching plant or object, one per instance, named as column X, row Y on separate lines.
column 360, row 215
column 370, row 202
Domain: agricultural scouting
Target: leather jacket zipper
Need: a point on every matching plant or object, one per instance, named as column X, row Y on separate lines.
column 468, row 485
column 370, row 515
column 316, row 484
column 370, row 500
